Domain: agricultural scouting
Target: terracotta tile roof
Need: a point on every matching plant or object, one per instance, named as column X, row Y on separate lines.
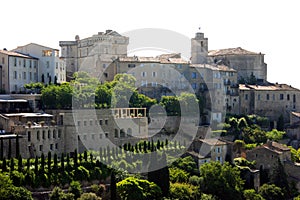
column 214, row 67
column 159, row 59
column 213, row 141
column 170, row 55
column 11, row 53
column 174, row 61
column 138, row 59
column 231, row 51
column 271, row 87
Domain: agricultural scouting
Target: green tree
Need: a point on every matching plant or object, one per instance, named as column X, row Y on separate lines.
column 133, row 188
column 224, row 177
column 183, row 191
column 10, row 192
column 252, row 195
column 275, row 135
column 271, row 192
column 279, row 177
column 89, row 196
column 280, row 123
column 75, row 188
column 171, row 105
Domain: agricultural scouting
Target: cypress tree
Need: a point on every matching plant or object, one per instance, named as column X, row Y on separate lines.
column 62, row 161
column 158, row 144
column 1, row 149
column 4, row 165
column 91, row 158
column 42, row 163
column 55, row 163
column 85, row 156
column 36, row 165
column 49, row 162
column 80, row 158
column 17, row 146
column 145, row 146
column 9, row 149
column 75, row 159
column 12, row 164
column 113, row 187
column 100, row 153
column 20, row 166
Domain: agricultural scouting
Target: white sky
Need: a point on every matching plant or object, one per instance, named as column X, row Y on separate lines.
column 270, row 27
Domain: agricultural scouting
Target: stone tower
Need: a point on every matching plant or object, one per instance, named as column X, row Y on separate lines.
column 199, row 48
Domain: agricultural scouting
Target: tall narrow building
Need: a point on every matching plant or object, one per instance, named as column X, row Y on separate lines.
column 199, row 49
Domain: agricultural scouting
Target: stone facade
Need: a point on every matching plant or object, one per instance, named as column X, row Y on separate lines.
column 16, row 70
column 93, row 54
column 244, row 62
column 51, row 67
column 270, row 100
column 199, row 49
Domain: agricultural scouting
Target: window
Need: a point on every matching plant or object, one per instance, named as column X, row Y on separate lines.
column 47, row 64
column 106, row 122
column 49, row 136
column 258, row 97
column 15, row 62
column 59, row 134
column 47, row 53
column 194, row 85
column 116, row 133
column 30, row 63
column 288, row 97
column 78, row 123
column 43, row 135
column 268, row 97
column 105, row 74
column 91, row 123
column 106, row 135
column 30, row 75
column 144, row 74
column 131, row 65
column 56, row 146
column 153, row 74
column 194, row 75
column 24, row 75
column 294, row 98
column 100, row 122
column 51, row 147
column 84, row 123
column 24, row 63
column 15, row 75
column 41, row 147
column 54, row 134
column 281, row 97
column 246, row 96
column 218, row 149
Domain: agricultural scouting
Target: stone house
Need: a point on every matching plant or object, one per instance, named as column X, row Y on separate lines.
column 271, row 100
column 245, row 62
column 267, row 155
column 16, row 70
column 209, row 149
column 51, row 67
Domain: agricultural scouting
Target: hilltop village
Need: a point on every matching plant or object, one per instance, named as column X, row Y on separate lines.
column 217, row 107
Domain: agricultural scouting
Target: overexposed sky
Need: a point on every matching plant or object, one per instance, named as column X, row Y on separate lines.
column 270, row 27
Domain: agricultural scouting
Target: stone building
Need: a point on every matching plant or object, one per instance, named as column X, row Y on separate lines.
column 16, row 70
column 209, row 149
column 199, row 49
column 51, row 67
column 246, row 63
column 218, row 83
column 93, row 54
column 91, row 129
column 271, row 100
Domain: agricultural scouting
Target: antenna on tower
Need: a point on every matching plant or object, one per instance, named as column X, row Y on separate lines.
column 199, row 28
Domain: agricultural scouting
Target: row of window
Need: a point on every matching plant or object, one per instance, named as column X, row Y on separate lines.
column 50, row 134
column 24, row 62
column 100, row 122
column 273, row 97
column 32, row 76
